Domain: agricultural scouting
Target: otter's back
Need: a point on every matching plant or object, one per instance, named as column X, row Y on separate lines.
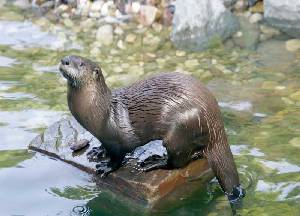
column 153, row 104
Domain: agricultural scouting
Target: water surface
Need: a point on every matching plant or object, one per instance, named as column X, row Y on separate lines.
column 259, row 93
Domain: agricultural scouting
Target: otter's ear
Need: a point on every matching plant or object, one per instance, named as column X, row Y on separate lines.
column 96, row 72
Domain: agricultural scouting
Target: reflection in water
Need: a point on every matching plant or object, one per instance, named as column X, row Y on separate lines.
column 25, row 190
column 23, row 123
column 17, row 96
column 45, row 68
column 11, row 158
column 6, row 62
column 281, row 166
column 239, row 106
column 22, row 35
column 284, row 189
column 80, row 211
column 246, row 150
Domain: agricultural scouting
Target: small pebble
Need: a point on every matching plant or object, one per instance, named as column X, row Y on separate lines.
column 118, row 30
column 130, row 38
column 191, row 63
column 295, row 96
column 256, row 17
column 121, row 45
column 68, row 23
column 80, row 144
column 292, row 45
column 180, row 53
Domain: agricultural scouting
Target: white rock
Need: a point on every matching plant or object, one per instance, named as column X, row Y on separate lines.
column 247, row 14
column 269, row 31
column 105, row 35
column 83, row 7
column 190, row 63
column 240, row 5
column 68, row 23
column 118, row 69
column 238, row 34
column 95, row 51
column 94, row 14
column 157, row 27
column 121, row 45
column 118, row 30
column 61, row 8
column 228, row 3
column 87, row 23
column 65, row 15
column 22, row 4
column 130, row 38
column 147, row 14
column 96, row 6
column 256, row 17
column 263, row 37
column 136, row 7
column 197, row 23
column 180, row 53
column 283, row 14
column 292, row 45
column 106, row 8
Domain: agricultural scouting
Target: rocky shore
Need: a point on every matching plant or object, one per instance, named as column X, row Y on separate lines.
column 192, row 25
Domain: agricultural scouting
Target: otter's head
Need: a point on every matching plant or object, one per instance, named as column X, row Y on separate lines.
column 79, row 71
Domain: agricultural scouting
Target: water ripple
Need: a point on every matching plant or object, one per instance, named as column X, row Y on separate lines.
column 81, row 210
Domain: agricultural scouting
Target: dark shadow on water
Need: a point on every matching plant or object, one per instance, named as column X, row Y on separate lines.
column 202, row 202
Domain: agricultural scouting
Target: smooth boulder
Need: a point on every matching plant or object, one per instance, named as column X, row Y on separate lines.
column 199, row 24
column 284, row 15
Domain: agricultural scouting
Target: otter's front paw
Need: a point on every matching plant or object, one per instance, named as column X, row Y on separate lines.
column 103, row 168
column 96, row 153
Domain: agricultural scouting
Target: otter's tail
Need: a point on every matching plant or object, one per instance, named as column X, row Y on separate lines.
column 221, row 161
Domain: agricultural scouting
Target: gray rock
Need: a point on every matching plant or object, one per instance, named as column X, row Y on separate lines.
column 250, row 34
column 251, row 2
column 2, row 3
column 240, row 5
column 48, row 5
column 105, row 35
column 255, row 18
column 197, row 24
column 229, row 3
column 284, row 15
column 273, row 54
column 23, row 4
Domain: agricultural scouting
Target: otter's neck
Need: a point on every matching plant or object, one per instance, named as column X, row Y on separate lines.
column 90, row 105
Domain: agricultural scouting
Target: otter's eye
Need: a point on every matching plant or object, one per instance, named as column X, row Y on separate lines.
column 81, row 64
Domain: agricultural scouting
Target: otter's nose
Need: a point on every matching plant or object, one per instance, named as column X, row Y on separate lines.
column 65, row 60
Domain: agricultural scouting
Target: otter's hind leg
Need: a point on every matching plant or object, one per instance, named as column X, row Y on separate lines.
column 179, row 150
column 186, row 140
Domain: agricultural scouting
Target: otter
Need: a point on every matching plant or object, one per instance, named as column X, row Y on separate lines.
column 172, row 107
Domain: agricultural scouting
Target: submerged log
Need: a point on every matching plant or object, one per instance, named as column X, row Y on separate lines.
column 146, row 188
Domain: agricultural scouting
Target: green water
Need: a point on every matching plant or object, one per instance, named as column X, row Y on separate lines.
column 259, row 93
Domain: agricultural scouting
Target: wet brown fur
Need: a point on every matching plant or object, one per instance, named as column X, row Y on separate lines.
column 173, row 107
